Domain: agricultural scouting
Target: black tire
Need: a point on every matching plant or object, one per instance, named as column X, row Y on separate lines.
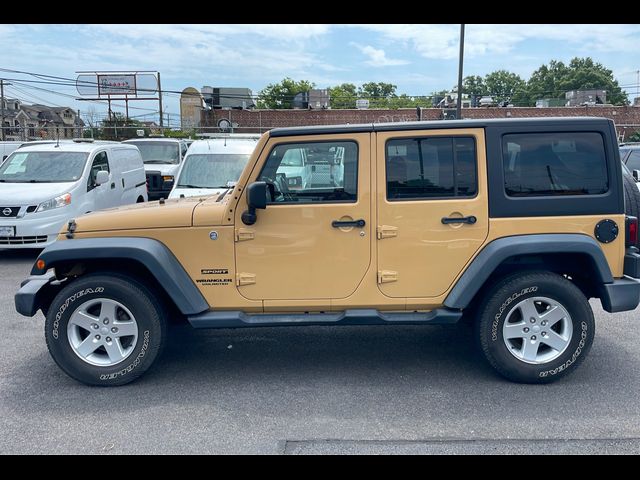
column 631, row 196
column 502, row 299
column 148, row 314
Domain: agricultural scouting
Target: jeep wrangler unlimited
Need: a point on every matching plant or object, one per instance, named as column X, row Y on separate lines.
column 512, row 224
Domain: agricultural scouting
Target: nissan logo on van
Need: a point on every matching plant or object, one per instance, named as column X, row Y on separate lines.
column 6, row 212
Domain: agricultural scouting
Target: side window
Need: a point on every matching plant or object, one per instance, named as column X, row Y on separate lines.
column 633, row 162
column 549, row 164
column 100, row 162
column 312, row 172
column 431, row 167
column 183, row 148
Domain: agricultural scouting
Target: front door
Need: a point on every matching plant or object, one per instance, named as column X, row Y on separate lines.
column 432, row 208
column 101, row 196
column 312, row 240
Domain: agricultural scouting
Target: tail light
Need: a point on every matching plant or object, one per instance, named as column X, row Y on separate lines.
column 632, row 231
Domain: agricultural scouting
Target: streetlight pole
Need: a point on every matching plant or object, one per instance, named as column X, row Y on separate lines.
column 459, row 102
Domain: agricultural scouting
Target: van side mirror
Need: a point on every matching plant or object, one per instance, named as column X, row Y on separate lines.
column 102, row 177
column 636, row 175
column 256, row 198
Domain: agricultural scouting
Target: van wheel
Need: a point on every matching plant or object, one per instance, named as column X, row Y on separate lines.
column 140, row 200
column 105, row 330
column 535, row 327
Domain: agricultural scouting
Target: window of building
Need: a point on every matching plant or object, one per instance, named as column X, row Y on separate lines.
column 549, row 164
column 321, row 172
column 431, row 167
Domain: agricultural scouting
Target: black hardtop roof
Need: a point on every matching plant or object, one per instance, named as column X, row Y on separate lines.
column 437, row 124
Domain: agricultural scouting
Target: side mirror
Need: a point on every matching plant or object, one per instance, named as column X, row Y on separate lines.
column 636, row 175
column 256, row 198
column 102, row 177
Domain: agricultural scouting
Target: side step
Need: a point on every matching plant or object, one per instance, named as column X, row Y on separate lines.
column 231, row 319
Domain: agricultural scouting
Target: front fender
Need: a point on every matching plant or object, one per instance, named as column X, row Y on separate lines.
column 152, row 254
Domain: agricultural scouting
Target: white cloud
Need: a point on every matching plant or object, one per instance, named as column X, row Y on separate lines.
column 441, row 41
column 377, row 56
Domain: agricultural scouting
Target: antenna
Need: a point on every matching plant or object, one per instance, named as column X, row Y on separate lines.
column 57, row 138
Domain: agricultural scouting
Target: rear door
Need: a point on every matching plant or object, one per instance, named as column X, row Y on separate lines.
column 432, row 208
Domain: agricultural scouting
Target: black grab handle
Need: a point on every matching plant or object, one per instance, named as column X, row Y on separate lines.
column 348, row 223
column 470, row 220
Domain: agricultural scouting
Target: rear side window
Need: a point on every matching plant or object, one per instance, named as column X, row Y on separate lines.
column 554, row 164
column 431, row 167
column 633, row 162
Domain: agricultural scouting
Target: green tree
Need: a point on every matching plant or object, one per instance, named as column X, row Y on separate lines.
column 474, row 85
column 505, row 86
column 378, row 93
column 343, row 96
column 634, row 137
column 556, row 78
column 280, row 95
column 119, row 128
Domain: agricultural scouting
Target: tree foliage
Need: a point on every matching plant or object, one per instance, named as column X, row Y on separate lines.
column 556, row 78
column 280, row 95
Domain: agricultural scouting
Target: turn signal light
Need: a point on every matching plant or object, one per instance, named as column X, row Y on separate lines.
column 40, row 264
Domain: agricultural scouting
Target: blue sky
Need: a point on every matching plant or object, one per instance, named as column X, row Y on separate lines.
column 419, row 59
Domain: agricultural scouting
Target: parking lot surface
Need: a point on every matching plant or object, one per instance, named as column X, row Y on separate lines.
column 310, row 390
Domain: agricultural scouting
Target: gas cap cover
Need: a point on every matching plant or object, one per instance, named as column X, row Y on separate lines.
column 606, row 231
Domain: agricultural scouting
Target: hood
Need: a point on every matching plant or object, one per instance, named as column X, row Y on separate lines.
column 20, row 194
column 195, row 192
column 173, row 213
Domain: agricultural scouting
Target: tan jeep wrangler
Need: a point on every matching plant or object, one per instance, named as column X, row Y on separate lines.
column 513, row 224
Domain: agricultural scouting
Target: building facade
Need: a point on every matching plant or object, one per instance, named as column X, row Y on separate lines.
column 23, row 122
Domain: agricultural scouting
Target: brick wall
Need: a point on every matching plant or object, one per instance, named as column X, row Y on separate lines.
column 627, row 119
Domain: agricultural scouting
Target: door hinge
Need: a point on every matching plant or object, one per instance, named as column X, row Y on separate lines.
column 245, row 279
column 386, row 276
column 387, row 231
column 243, row 234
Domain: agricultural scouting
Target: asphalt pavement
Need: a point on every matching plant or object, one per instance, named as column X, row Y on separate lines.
column 313, row 390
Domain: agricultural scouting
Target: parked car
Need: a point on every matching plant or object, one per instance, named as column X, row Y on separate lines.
column 511, row 224
column 6, row 148
column 630, row 156
column 214, row 165
column 42, row 187
column 162, row 158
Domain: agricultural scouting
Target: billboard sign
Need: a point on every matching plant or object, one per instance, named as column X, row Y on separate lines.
column 106, row 85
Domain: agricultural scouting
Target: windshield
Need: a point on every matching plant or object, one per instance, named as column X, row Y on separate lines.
column 43, row 167
column 159, row 152
column 212, row 170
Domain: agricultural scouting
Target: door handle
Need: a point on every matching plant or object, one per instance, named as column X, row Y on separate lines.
column 113, row 185
column 449, row 220
column 348, row 223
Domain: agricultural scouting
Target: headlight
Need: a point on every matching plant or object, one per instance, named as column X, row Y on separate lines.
column 61, row 201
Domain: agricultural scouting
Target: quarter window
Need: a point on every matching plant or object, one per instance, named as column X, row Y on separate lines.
column 313, row 172
column 554, row 164
column 431, row 167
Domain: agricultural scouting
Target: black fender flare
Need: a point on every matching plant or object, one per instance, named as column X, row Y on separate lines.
column 152, row 254
column 497, row 251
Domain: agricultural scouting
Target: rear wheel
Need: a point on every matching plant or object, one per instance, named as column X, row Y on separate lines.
column 105, row 330
column 535, row 327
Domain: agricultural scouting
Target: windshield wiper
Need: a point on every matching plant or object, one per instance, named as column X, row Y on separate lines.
column 190, row 186
column 169, row 162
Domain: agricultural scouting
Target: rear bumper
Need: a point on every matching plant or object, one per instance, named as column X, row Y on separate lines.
column 28, row 299
column 624, row 293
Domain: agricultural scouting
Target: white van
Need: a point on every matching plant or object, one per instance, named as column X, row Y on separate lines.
column 211, row 166
column 42, row 187
column 6, row 148
column 162, row 159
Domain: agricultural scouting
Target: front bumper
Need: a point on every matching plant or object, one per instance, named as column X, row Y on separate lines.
column 624, row 293
column 29, row 298
column 35, row 230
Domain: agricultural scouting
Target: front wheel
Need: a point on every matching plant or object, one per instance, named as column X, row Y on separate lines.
column 105, row 329
column 535, row 327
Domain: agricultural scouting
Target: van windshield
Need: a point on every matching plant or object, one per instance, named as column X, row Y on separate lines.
column 43, row 167
column 212, row 170
column 159, row 152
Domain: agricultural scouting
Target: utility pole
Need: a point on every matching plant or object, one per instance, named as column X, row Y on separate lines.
column 2, row 107
column 459, row 102
column 160, row 104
